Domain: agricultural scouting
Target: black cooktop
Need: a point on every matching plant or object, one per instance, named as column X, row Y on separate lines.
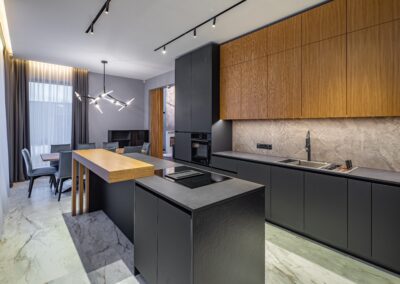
column 190, row 177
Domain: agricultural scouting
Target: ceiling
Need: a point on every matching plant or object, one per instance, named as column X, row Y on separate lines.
column 53, row 30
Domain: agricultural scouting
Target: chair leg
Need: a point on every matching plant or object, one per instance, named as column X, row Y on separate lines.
column 60, row 189
column 31, row 181
column 56, row 186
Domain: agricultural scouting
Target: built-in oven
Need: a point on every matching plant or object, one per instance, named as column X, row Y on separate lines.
column 201, row 148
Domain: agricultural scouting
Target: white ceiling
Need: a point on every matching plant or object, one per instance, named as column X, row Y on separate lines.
column 53, row 30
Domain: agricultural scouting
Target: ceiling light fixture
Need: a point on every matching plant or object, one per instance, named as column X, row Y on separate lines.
column 164, row 51
column 105, row 95
column 104, row 9
column 213, row 19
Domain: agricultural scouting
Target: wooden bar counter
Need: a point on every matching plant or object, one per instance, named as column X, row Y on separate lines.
column 111, row 167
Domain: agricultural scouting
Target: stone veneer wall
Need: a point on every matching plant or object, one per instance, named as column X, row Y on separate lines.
column 369, row 142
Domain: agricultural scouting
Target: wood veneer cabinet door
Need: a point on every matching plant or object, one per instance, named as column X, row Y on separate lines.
column 284, row 35
column 230, row 92
column 370, row 72
column 366, row 13
column 324, row 78
column 325, row 21
column 231, row 53
column 254, row 98
column 284, row 84
column 396, row 88
column 254, row 45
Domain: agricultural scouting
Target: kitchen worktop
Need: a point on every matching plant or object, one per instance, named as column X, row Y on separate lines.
column 368, row 174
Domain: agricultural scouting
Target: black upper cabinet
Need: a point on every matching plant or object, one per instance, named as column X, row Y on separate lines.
column 196, row 90
column 183, row 147
column 183, row 93
column 325, row 215
column 385, row 225
column 287, row 197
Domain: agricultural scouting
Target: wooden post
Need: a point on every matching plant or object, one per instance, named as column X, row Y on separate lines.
column 74, row 172
column 87, row 188
column 81, row 173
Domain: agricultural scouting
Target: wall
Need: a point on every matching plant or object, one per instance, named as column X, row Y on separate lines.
column 112, row 119
column 372, row 142
column 153, row 83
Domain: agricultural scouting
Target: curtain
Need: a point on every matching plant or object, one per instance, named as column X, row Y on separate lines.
column 80, row 109
column 17, row 109
column 50, row 103
column 4, row 172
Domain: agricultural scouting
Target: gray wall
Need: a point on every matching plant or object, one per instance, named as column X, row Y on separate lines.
column 153, row 83
column 112, row 119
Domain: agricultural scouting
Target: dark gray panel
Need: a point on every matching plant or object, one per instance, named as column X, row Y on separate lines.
column 145, row 248
column 386, row 225
column 201, row 113
column 287, row 196
column 225, row 164
column 359, row 235
column 174, row 245
column 221, row 136
column 229, row 242
column 183, row 93
column 183, row 146
column 326, row 208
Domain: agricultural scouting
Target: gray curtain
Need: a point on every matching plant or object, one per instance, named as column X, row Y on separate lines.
column 80, row 109
column 17, row 108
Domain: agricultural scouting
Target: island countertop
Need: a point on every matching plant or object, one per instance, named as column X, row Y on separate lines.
column 112, row 167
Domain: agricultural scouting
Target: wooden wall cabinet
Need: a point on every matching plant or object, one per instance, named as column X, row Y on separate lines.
column 323, row 22
column 284, row 84
column 230, row 92
column 367, row 13
column 284, row 35
column 370, row 71
column 324, row 78
column 254, row 45
column 231, row 53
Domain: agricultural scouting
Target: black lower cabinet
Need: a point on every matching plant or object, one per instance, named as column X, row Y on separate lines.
column 287, row 197
column 325, row 215
column 258, row 173
column 146, row 234
column 183, row 146
column 174, row 244
column 386, row 225
column 359, row 218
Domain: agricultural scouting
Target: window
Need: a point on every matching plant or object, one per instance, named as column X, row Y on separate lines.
column 50, row 107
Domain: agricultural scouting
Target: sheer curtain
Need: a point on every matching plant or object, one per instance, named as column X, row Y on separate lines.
column 50, row 107
column 4, row 176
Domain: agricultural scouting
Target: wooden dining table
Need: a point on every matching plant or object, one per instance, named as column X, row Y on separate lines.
column 50, row 157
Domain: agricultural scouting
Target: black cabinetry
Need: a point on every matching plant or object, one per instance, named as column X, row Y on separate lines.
column 386, row 225
column 183, row 93
column 326, row 208
column 182, row 147
column 287, row 197
column 360, row 202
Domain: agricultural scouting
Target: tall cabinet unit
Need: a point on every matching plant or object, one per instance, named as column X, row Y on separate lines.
column 197, row 100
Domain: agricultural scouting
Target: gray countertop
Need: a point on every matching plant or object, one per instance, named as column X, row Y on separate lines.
column 196, row 198
column 374, row 175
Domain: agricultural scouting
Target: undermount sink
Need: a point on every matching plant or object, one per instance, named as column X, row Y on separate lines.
column 304, row 163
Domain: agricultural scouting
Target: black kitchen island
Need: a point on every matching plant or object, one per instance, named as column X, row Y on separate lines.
column 203, row 229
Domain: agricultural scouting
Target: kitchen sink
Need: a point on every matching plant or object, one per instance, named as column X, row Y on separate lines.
column 304, row 163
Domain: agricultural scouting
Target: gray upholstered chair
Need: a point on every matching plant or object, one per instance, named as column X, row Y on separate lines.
column 132, row 149
column 145, row 148
column 110, row 145
column 64, row 171
column 57, row 148
column 86, row 146
column 35, row 173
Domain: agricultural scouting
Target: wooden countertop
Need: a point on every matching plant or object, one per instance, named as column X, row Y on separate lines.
column 112, row 167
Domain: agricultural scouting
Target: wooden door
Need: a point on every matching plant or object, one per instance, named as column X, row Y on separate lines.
column 324, row 78
column 284, row 84
column 156, row 122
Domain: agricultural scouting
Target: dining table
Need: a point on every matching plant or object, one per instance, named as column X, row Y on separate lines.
column 50, row 157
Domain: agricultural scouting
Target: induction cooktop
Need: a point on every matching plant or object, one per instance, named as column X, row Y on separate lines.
column 190, row 177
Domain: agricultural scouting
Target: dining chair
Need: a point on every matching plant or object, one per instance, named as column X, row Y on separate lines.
column 145, row 148
column 110, row 145
column 86, row 146
column 64, row 171
column 57, row 148
column 132, row 149
column 35, row 173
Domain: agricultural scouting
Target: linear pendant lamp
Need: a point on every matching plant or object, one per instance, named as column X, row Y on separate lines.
column 105, row 95
column 194, row 30
column 104, row 9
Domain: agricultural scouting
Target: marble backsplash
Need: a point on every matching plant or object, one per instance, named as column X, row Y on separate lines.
column 368, row 142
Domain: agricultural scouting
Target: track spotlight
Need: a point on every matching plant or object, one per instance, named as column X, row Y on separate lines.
column 214, row 22
column 194, row 33
column 107, row 7
column 164, row 51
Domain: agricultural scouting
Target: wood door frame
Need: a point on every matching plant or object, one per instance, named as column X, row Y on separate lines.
column 156, row 121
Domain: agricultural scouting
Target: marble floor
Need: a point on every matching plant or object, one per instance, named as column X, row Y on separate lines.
column 44, row 244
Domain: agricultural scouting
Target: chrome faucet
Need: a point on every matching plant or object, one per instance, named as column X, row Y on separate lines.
column 308, row 145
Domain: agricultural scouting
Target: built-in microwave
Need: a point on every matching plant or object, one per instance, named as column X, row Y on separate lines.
column 201, row 148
